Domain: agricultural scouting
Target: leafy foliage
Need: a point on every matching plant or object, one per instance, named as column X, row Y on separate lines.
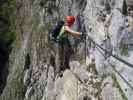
column 7, row 36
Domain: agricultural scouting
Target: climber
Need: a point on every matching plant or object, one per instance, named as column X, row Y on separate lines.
column 64, row 46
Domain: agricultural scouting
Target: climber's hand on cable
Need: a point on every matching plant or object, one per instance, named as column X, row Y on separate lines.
column 83, row 35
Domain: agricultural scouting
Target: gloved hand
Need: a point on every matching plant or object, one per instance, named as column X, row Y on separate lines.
column 83, row 35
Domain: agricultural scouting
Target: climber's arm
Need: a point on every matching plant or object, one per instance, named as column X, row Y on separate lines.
column 74, row 33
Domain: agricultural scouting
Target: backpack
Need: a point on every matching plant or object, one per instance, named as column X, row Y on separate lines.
column 56, row 30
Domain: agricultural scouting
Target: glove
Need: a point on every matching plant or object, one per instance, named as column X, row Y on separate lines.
column 83, row 35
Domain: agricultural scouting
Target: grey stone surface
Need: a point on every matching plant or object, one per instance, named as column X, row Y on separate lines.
column 39, row 82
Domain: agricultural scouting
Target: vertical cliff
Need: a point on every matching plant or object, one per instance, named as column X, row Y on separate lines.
column 94, row 74
column 7, row 36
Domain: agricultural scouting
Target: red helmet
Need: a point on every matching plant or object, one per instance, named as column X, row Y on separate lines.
column 70, row 19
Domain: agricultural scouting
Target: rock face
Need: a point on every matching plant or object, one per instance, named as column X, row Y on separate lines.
column 94, row 74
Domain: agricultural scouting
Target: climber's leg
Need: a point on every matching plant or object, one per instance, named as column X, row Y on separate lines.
column 59, row 55
column 67, row 51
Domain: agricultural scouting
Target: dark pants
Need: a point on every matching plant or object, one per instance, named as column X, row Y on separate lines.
column 63, row 56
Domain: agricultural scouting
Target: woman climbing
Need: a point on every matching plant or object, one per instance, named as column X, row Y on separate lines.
column 64, row 46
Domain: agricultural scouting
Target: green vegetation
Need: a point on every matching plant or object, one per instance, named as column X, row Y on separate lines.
column 7, row 20
column 124, row 50
column 92, row 68
column 7, row 36
column 6, row 40
column 116, row 84
column 99, row 84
